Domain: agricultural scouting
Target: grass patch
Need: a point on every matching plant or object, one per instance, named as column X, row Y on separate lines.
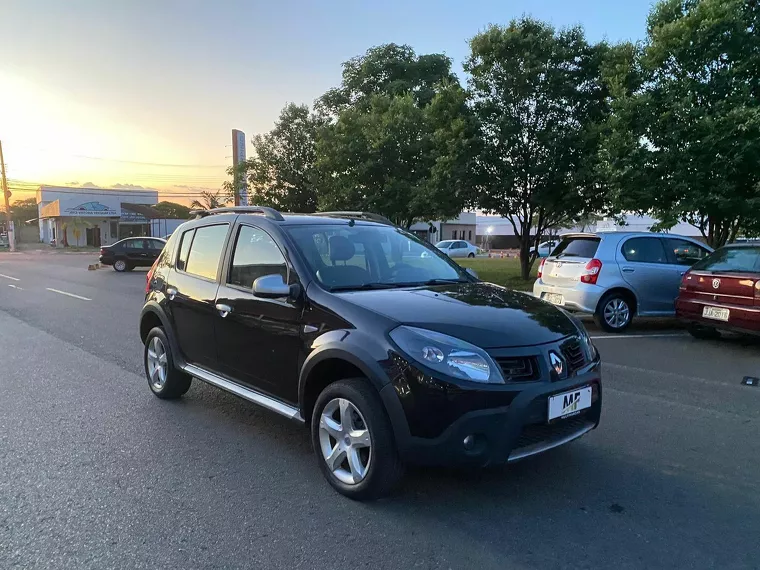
column 504, row 272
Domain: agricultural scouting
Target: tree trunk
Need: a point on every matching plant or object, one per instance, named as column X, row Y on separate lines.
column 526, row 261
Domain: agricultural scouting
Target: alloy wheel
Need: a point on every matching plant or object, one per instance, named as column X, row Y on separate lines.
column 120, row 265
column 617, row 313
column 345, row 441
column 157, row 363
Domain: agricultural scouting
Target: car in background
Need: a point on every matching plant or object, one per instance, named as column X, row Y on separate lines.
column 129, row 253
column 388, row 362
column 722, row 292
column 544, row 249
column 617, row 275
column 457, row 248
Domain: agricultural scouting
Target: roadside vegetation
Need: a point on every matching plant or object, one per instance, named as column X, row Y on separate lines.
column 505, row 272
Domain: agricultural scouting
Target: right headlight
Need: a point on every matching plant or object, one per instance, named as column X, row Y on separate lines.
column 447, row 355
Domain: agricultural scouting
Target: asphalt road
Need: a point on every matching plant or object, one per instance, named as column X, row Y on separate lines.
column 95, row 472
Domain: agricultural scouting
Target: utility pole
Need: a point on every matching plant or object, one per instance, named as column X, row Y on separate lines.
column 7, row 195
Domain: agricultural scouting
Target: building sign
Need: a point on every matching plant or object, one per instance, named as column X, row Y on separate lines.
column 238, row 157
column 93, row 208
column 130, row 217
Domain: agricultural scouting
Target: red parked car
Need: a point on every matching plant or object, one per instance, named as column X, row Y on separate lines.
column 722, row 292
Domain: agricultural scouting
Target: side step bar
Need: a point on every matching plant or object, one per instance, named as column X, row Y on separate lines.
column 244, row 392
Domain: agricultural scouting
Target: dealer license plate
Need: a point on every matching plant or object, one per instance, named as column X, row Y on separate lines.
column 715, row 313
column 569, row 403
column 554, row 298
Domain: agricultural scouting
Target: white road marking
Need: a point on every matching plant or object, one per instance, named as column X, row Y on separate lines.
column 9, row 277
column 68, row 294
column 624, row 336
column 15, row 287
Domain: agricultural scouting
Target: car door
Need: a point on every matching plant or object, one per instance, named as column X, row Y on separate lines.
column 684, row 253
column 258, row 338
column 191, row 289
column 458, row 249
column 645, row 266
column 134, row 251
column 154, row 249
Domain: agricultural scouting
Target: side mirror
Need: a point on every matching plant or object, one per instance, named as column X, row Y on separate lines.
column 472, row 273
column 271, row 287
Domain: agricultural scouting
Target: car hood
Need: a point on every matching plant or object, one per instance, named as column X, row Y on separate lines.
column 483, row 314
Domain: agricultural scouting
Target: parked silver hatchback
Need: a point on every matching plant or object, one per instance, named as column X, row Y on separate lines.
column 616, row 275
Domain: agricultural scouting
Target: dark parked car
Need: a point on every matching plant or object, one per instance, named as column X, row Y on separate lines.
column 390, row 357
column 722, row 292
column 129, row 253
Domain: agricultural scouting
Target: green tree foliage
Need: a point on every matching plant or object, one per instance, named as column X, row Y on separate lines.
column 388, row 69
column 399, row 142
column 281, row 174
column 23, row 210
column 684, row 140
column 209, row 200
column 172, row 210
column 540, row 103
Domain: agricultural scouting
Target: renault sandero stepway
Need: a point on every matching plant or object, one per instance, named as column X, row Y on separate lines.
column 391, row 357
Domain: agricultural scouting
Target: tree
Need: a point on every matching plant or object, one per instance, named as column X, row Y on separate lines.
column 209, row 200
column 281, row 172
column 389, row 69
column 23, row 210
column 684, row 139
column 540, row 104
column 397, row 159
column 172, row 210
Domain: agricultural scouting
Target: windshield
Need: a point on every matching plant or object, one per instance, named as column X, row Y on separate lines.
column 444, row 244
column 731, row 260
column 344, row 257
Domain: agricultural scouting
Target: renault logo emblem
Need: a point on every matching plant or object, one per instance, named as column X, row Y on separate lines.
column 556, row 362
column 716, row 283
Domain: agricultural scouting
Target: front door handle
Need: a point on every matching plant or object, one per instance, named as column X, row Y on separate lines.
column 224, row 310
column 628, row 270
column 171, row 292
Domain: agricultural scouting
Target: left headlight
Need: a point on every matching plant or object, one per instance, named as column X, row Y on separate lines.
column 447, row 354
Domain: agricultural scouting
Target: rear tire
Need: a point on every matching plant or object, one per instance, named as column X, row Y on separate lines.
column 121, row 266
column 703, row 332
column 614, row 313
column 349, row 425
column 164, row 379
column 471, row 255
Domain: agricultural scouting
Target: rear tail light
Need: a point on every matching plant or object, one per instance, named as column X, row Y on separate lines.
column 149, row 277
column 102, row 251
column 687, row 277
column 757, row 292
column 591, row 272
column 540, row 271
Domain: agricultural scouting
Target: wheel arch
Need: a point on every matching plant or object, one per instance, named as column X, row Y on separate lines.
column 621, row 290
column 152, row 316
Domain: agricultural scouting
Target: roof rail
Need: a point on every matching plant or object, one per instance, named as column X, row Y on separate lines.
column 270, row 213
column 357, row 215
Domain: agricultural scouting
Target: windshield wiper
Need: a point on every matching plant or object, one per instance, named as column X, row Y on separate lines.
column 364, row 287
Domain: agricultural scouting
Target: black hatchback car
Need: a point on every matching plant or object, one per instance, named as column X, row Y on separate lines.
column 337, row 321
column 129, row 253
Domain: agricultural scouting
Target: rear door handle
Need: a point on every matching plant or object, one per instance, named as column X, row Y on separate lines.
column 628, row 270
column 224, row 310
column 171, row 292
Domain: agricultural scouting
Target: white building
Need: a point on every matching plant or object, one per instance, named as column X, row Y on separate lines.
column 463, row 227
column 93, row 216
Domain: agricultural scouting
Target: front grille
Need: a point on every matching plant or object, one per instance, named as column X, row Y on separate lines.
column 574, row 354
column 518, row 368
column 547, row 433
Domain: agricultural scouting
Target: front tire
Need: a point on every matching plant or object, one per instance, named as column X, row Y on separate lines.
column 353, row 440
column 164, row 379
column 614, row 312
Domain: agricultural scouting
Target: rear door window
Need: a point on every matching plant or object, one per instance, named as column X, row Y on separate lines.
column 184, row 249
column 206, row 251
column 577, row 247
column 644, row 250
column 731, row 260
column 686, row 252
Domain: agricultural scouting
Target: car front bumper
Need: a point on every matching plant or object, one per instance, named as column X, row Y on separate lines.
column 506, row 433
column 581, row 297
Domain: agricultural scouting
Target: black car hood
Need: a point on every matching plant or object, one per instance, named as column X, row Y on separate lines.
column 480, row 313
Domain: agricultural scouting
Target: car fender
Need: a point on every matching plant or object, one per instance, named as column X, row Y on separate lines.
column 156, row 309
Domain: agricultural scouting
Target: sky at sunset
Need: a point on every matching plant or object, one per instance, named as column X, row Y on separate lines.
column 146, row 92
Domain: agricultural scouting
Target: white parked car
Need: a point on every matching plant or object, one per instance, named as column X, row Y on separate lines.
column 457, row 248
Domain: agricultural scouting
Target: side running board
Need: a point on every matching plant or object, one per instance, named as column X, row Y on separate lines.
column 244, row 392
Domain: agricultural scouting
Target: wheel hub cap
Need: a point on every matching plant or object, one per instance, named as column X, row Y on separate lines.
column 157, row 363
column 345, row 441
column 617, row 313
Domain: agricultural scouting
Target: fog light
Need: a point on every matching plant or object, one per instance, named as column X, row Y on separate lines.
column 469, row 442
